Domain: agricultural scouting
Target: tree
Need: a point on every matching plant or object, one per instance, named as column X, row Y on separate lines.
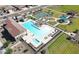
column 22, row 20
column 68, row 38
column 8, row 51
column 32, row 17
column 76, row 31
column 6, row 44
column 43, row 52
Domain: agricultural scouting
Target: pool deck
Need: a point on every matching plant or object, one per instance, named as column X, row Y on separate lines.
column 44, row 45
column 49, row 36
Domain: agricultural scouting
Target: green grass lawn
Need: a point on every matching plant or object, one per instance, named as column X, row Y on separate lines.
column 63, row 46
column 51, row 22
column 55, row 13
column 71, row 27
column 64, row 8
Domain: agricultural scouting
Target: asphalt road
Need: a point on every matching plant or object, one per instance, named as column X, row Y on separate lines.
column 22, row 11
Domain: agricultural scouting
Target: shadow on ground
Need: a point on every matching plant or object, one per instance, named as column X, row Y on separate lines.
column 7, row 35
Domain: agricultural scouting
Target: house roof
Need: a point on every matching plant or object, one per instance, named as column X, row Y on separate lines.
column 13, row 27
column 17, row 46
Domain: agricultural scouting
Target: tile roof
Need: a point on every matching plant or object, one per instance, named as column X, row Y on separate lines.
column 13, row 27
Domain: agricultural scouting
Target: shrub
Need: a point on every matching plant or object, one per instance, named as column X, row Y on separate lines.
column 68, row 38
column 8, row 51
column 43, row 52
column 6, row 44
column 32, row 17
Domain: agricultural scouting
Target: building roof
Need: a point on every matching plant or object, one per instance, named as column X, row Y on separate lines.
column 18, row 47
column 13, row 27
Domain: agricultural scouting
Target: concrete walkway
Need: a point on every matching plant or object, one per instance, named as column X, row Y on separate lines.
column 68, row 33
column 46, row 47
column 56, row 24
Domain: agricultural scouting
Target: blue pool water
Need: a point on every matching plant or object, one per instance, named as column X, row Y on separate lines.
column 64, row 17
column 36, row 43
column 36, row 31
column 32, row 27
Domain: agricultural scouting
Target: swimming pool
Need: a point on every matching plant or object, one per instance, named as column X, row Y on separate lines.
column 38, row 32
column 36, row 43
column 64, row 17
